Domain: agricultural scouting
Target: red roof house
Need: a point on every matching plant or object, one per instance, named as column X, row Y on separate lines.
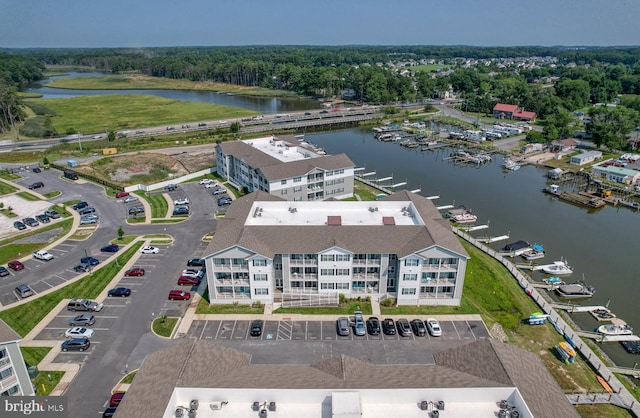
column 509, row 111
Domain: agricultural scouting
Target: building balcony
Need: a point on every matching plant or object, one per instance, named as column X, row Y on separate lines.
column 229, row 295
column 8, row 383
column 230, row 282
column 4, row 362
column 365, row 276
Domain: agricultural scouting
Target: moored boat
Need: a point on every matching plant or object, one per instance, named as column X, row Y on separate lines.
column 462, row 216
column 554, row 281
column 535, row 253
column 557, row 268
column 516, row 248
column 615, row 329
column 575, row 291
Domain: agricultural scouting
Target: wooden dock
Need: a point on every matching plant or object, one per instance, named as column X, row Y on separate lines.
column 489, row 240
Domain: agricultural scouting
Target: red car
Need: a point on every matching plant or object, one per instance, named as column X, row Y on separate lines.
column 179, row 295
column 15, row 265
column 121, row 194
column 116, row 398
column 136, row 271
column 188, row 280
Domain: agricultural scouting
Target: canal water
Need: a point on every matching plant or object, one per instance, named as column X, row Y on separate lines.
column 599, row 245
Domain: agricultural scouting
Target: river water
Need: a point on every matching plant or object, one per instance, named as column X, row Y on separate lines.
column 599, row 245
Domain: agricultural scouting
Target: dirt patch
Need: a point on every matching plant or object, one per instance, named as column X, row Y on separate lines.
column 497, row 332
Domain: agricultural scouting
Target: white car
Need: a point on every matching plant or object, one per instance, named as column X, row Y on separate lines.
column 79, row 332
column 434, row 327
column 193, row 273
column 43, row 255
column 222, row 122
column 130, row 199
column 149, row 250
column 206, row 181
column 183, row 201
column 211, row 185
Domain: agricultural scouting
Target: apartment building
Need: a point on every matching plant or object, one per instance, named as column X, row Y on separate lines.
column 286, row 167
column 268, row 249
column 14, row 378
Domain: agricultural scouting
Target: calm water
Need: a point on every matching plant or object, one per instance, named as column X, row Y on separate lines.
column 599, row 245
column 259, row 104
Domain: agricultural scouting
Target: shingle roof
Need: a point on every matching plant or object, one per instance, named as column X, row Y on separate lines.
column 396, row 239
column 182, row 366
column 7, row 333
column 501, row 107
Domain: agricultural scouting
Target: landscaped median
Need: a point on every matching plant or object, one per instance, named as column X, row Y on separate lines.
column 163, row 326
column 24, row 317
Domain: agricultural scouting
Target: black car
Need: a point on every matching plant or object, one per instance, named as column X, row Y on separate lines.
column 181, row 210
column 256, row 327
column 373, row 326
column 418, row 328
column 86, row 211
column 43, row 218
column 36, row 185
column 195, row 262
column 83, row 320
column 109, row 412
column 404, row 329
column 136, row 210
column 224, row 201
column 388, row 326
column 119, row 291
column 19, row 226
column 80, row 205
column 36, row 170
column 111, row 248
column 76, row 344
column 31, row 222
column 3, row 271
column 90, row 260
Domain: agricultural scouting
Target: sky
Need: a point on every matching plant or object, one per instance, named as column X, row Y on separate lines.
column 153, row 23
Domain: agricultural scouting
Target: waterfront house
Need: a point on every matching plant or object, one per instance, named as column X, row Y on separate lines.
column 267, row 249
column 585, row 157
column 285, row 167
column 14, row 377
column 509, row 111
column 616, row 174
column 555, row 174
column 563, row 145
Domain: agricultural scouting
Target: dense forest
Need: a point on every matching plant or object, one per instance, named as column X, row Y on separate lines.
column 554, row 82
column 16, row 71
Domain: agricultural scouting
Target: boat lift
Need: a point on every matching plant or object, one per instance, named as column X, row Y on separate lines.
column 383, row 179
column 433, row 197
column 474, row 228
column 416, row 191
column 489, row 240
column 371, row 173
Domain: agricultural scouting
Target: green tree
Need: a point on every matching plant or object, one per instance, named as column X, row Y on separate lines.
column 234, row 127
column 111, row 136
column 610, row 126
column 120, row 233
column 574, row 93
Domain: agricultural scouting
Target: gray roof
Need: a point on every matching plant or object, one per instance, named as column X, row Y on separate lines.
column 274, row 169
column 394, row 239
column 7, row 334
column 478, row 364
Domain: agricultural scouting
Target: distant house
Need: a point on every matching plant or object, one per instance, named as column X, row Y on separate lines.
column 566, row 144
column 614, row 173
column 555, row 174
column 529, row 148
column 348, row 93
column 585, row 158
column 509, row 111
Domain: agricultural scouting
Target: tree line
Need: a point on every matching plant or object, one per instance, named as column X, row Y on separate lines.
column 16, row 71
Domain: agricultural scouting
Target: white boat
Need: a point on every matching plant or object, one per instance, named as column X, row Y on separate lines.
column 575, row 291
column 536, row 252
column 615, row 329
column 510, row 164
column 554, row 282
column 558, row 268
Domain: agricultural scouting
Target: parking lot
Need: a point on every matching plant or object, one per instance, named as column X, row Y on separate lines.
column 238, row 330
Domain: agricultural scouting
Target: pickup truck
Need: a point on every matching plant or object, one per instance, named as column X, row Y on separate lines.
column 43, row 255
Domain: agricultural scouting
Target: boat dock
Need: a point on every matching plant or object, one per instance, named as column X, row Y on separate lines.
column 571, row 308
column 489, row 240
column 576, row 198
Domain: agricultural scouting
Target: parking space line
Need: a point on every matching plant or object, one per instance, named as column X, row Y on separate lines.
column 43, row 281
column 218, row 330
column 284, row 327
column 456, row 329
column 203, row 328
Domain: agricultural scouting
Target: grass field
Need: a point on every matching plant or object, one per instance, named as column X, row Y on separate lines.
column 90, row 114
column 34, row 355
column 46, row 382
column 142, row 82
column 6, row 188
column 429, row 67
column 10, row 251
column 163, row 326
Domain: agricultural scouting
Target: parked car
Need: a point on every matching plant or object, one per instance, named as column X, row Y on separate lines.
column 79, row 304
column 90, row 260
column 82, row 320
column 82, row 268
column 36, row 170
column 36, row 185
column 130, row 199
column 256, row 327
column 170, row 187
column 149, row 250
column 85, row 220
column 179, row 295
column 418, row 328
column 206, row 181
column 434, row 327
column 79, row 332
column 224, row 201
column 110, row 411
column 80, row 205
column 359, row 327
column 181, row 201
column 111, row 248
column 31, row 222
column 121, row 194
column 15, row 265
column 87, row 211
column 202, row 124
column 135, row 271
column 115, row 399
column 193, row 273
column 3, row 271
column 24, row 291
column 195, row 262
column 342, row 326
column 181, row 210
column 136, row 210
column 75, row 344
column 52, row 214
column 188, row 280
column 19, row 226
column 43, row 255
column 119, row 292
column 373, row 326
column 211, row 185
column 43, row 218
column 404, row 329
column 388, row 326
column 218, row 191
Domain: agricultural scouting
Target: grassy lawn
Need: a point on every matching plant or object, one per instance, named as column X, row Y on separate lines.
column 6, row 188
column 46, row 381
column 365, row 191
column 89, row 114
column 605, row 410
column 34, row 355
column 164, row 326
column 24, row 317
column 166, row 221
column 143, row 82
column 159, row 205
column 10, row 251
column 52, row 194
column 5, row 174
column 346, row 308
column 28, row 196
column 128, row 379
column 236, row 308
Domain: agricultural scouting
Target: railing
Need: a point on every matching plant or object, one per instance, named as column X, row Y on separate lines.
column 9, row 382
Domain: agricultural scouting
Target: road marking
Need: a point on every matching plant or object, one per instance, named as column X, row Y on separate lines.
column 45, row 282
column 456, row 329
column 203, row 328
column 114, row 306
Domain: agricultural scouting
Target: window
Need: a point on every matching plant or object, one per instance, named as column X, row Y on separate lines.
column 295, row 270
column 428, row 276
column 221, row 262
column 311, row 270
column 358, row 270
column 342, row 272
column 297, row 179
column 297, row 189
column 295, row 256
column 409, row 291
column 6, row 373
column 410, row 277
column 283, row 191
column 296, row 284
column 327, row 286
column 260, row 277
column 310, row 285
column 328, row 173
column 373, row 256
column 11, row 391
column 327, row 257
column 447, row 275
column 411, row 262
column 327, row 272
column 283, row 181
column 261, row 291
column 342, row 286
column 373, row 270
column 433, row 261
column 343, row 257
column 239, row 262
column 260, row 262
column 312, row 257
